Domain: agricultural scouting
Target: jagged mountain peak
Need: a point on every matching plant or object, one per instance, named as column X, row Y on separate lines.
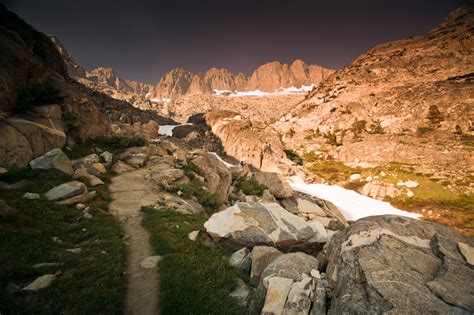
column 268, row 77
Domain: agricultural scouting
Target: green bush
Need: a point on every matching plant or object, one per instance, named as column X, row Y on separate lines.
column 113, row 144
column 190, row 169
column 249, row 186
column 422, row 130
column 376, row 128
column 36, row 95
column 434, row 115
column 293, row 156
column 210, row 201
column 358, row 126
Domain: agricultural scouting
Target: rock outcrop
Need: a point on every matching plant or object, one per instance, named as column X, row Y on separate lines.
column 404, row 101
column 258, row 147
column 399, row 265
column 31, row 65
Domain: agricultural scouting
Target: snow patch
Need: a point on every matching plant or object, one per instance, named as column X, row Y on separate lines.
column 167, row 130
column 351, row 204
column 220, row 159
column 281, row 91
column 160, row 100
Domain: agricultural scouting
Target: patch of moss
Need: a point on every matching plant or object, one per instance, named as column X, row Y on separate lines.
column 91, row 281
column 114, row 144
column 194, row 279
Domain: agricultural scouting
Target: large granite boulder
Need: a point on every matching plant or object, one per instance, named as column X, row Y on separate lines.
column 274, row 183
column 252, row 224
column 53, row 161
column 400, row 265
column 217, row 176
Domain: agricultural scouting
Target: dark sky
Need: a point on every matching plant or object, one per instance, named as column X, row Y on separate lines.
column 141, row 40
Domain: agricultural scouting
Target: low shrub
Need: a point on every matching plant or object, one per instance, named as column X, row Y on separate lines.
column 249, row 186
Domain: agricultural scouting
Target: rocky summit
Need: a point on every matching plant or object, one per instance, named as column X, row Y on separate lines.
column 296, row 189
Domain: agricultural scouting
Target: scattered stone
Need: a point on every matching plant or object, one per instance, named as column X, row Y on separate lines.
column 42, row 266
column 31, row 196
column 277, row 293
column 299, row 297
column 54, row 160
column 250, row 224
column 150, row 262
column 107, row 157
column 411, row 184
column 291, row 266
column 241, row 260
column 167, row 177
column 315, row 274
column 275, row 184
column 3, row 170
column 84, row 175
column 121, row 167
column 85, row 197
column 40, row 283
column 379, row 192
column 355, row 177
column 137, row 159
column 80, row 206
column 178, row 204
column 410, row 194
column 5, row 209
column 467, row 251
column 267, row 196
column 193, row 235
column 66, row 190
column 74, row 250
column 241, row 294
column 87, row 215
column 262, row 256
column 99, row 167
column 91, row 159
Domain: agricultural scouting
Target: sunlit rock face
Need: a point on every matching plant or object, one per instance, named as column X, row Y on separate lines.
column 392, row 94
column 268, row 78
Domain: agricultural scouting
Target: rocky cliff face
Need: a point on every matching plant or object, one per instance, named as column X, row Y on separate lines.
column 106, row 80
column 107, row 76
column 274, row 75
column 415, row 93
column 41, row 107
column 268, row 78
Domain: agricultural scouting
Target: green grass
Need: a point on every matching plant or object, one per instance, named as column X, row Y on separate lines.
column 113, row 144
column 194, row 279
column 90, row 282
column 249, row 186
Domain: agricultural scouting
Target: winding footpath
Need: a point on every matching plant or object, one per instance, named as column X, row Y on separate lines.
column 129, row 193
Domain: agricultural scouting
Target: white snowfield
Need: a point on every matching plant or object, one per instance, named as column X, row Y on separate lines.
column 160, row 100
column 351, row 204
column 281, row 91
column 167, row 130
